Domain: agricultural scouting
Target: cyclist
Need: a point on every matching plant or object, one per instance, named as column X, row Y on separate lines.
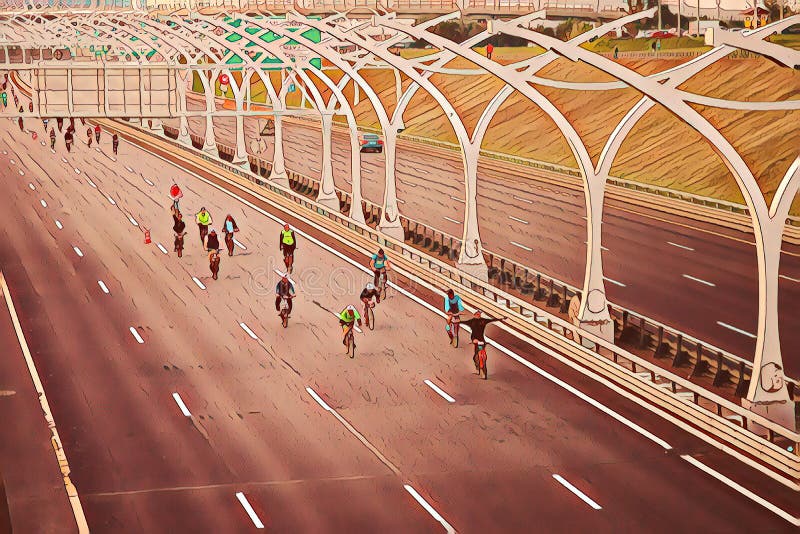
column 68, row 140
column 212, row 243
column 89, row 137
column 97, row 133
column 203, row 222
column 287, row 244
column 178, row 227
column 379, row 264
column 453, row 308
column 175, row 194
column 478, row 326
column 52, row 139
column 228, row 228
column 367, row 294
column 347, row 318
column 115, row 143
column 284, row 289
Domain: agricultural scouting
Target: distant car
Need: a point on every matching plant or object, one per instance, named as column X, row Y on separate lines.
column 662, row 35
column 371, row 143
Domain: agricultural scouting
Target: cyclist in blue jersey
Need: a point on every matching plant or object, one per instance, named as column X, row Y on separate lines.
column 379, row 264
column 453, row 308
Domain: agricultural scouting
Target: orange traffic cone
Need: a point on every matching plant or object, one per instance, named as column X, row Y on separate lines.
column 147, row 236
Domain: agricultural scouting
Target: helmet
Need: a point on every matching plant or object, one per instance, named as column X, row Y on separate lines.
column 286, row 226
column 212, row 231
column 350, row 308
column 202, row 209
column 370, row 286
column 477, row 313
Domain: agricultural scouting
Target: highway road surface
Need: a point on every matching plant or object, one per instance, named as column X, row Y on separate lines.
column 698, row 278
column 184, row 407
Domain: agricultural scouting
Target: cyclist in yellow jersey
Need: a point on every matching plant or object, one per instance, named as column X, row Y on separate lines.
column 287, row 244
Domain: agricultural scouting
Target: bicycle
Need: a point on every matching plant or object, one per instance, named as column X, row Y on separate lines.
column 214, row 264
column 455, row 327
column 288, row 261
column 480, row 360
column 179, row 244
column 350, row 341
column 229, row 242
column 369, row 314
column 382, row 283
column 284, row 309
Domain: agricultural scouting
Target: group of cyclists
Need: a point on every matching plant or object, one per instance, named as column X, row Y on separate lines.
column 208, row 235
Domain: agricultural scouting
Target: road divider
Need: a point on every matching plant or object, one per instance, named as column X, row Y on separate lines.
column 181, row 405
column 249, row 509
column 136, row 336
column 430, row 509
column 440, row 391
column 585, row 498
column 249, row 332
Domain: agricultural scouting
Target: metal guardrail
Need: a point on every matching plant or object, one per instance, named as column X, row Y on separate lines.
column 641, row 335
column 714, row 415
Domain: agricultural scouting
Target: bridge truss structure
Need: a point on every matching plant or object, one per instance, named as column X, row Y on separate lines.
column 192, row 42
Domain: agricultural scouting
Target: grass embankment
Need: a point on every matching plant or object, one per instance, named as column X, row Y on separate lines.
column 661, row 150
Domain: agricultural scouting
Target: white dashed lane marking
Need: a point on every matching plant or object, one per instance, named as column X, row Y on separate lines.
column 78, row 251
column 136, row 335
column 103, row 286
column 585, row 498
column 247, row 329
column 179, row 401
column 43, row 203
column 198, row 282
column 440, row 391
column 249, row 509
column 59, row 225
column 161, row 247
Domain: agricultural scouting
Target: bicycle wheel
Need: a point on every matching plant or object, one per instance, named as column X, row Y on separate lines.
column 351, row 345
column 456, row 328
column 383, row 286
column 285, row 319
column 371, row 318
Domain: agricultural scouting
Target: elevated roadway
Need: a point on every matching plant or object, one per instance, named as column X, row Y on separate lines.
column 486, row 462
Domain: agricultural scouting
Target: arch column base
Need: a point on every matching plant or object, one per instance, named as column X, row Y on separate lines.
column 477, row 270
column 184, row 139
column 157, row 127
column 330, row 201
column 392, row 229
column 211, row 149
column 280, row 178
column 782, row 413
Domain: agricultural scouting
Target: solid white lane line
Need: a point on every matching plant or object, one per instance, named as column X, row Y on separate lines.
column 318, row 399
column 680, row 246
column 522, row 199
column 59, row 225
column 452, row 220
column 133, row 221
column 523, row 221
column 428, row 508
column 78, row 251
column 33, row 187
column 547, row 350
column 43, row 203
column 161, row 247
column 620, row 284
column 249, row 509
column 111, row 200
column 236, row 242
column 521, row 246
column 247, row 329
column 788, row 278
column 738, row 330
column 744, row 491
column 440, row 391
column 58, row 446
column 136, row 335
column 103, row 286
column 585, row 498
column 457, row 199
column 91, row 182
column 181, row 405
column 198, row 282
column 699, row 280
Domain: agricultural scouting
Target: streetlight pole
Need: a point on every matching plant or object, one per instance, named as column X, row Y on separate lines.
column 659, row 16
